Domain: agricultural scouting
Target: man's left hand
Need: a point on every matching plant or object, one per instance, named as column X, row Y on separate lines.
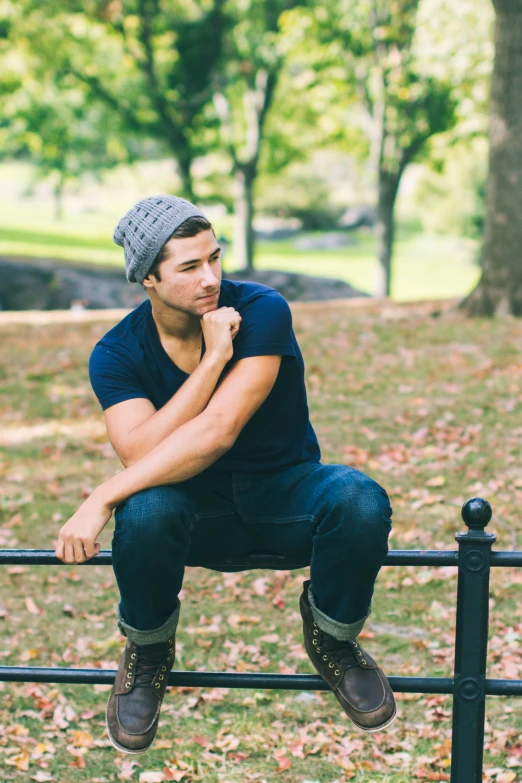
column 77, row 538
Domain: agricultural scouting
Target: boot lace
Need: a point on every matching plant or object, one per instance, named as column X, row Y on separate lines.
column 149, row 657
column 341, row 652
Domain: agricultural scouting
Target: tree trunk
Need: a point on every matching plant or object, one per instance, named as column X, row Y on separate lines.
column 257, row 101
column 184, row 162
column 244, row 178
column 58, row 196
column 384, row 229
column 499, row 290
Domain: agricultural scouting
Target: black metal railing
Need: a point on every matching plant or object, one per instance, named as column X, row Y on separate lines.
column 474, row 558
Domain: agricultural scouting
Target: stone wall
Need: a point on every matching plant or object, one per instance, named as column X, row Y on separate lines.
column 51, row 284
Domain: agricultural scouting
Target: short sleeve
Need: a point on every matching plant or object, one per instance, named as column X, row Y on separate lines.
column 266, row 328
column 112, row 377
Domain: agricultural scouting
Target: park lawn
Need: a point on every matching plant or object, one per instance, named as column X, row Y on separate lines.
column 425, row 266
column 428, row 405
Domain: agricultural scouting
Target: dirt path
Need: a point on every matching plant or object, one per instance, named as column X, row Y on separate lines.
column 387, row 308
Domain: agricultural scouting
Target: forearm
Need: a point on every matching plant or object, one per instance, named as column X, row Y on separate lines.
column 189, row 450
column 188, row 402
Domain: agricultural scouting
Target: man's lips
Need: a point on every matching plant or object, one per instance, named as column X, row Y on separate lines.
column 212, row 296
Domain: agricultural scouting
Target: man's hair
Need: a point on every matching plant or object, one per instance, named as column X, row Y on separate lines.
column 190, row 228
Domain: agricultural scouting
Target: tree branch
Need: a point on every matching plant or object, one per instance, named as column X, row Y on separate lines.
column 103, row 94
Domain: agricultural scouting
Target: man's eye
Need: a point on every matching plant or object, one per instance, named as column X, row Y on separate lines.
column 216, row 258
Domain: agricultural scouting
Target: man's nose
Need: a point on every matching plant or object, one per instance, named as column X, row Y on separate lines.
column 210, row 278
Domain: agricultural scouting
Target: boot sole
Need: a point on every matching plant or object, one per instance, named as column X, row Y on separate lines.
column 377, row 728
column 113, row 742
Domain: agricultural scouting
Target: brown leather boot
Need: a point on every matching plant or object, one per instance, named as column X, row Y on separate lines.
column 358, row 684
column 134, row 705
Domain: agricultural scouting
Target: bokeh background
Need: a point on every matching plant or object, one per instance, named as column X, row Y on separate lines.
column 340, row 139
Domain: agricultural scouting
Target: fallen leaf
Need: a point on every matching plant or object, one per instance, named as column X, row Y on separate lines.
column 31, row 606
column 17, row 478
column 81, row 739
column 53, row 488
column 163, row 744
column 173, row 774
column 202, row 740
column 59, row 718
column 127, row 769
column 20, row 761
column 282, row 758
column 28, row 655
column 436, row 481
column 16, row 520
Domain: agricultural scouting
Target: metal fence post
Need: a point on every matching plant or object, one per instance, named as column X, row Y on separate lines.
column 471, row 640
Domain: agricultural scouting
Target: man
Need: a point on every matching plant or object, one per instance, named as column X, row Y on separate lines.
column 202, row 388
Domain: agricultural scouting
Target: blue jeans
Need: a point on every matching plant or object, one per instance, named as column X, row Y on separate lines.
column 331, row 517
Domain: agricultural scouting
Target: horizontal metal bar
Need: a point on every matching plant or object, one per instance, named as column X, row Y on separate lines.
column 395, row 557
column 404, row 557
column 293, row 682
column 503, row 559
column 503, row 687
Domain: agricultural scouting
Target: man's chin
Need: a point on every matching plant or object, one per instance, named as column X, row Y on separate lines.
column 209, row 304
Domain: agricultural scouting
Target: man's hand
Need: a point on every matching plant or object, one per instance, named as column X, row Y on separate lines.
column 77, row 538
column 219, row 329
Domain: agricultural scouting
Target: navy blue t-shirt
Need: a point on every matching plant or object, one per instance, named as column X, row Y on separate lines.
column 130, row 361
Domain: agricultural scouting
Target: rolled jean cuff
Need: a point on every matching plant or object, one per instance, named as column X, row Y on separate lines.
column 154, row 635
column 342, row 631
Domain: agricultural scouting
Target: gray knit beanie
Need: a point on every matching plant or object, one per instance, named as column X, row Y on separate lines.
column 145, row 228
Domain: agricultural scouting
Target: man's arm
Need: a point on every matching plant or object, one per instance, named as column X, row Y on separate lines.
column 200, row 442
column 135, row 427
column 189, row 450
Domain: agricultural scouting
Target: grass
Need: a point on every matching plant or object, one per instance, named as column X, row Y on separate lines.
column 425, row 266
column 429, row 407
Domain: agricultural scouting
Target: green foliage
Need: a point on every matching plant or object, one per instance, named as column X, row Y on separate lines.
column 303, row 196
column 48, row 118
column 451, row 196
column 153, row 71
column 373, row 45
column 248, row 83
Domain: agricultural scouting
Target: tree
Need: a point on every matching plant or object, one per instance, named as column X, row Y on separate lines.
column 247, row 89
column 152, row 64
column 47, row 119
column 197, row 76
column 62, row 137
column 499, row 290
column 371, row 43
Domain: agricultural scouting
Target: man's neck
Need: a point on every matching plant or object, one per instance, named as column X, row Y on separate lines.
column 173, row 329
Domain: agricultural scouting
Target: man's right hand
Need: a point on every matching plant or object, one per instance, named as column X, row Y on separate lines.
column 219, row 329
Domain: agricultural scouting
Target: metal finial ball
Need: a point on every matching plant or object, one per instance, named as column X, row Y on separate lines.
column 476, row 512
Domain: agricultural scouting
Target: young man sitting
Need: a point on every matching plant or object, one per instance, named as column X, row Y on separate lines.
column 203, row 392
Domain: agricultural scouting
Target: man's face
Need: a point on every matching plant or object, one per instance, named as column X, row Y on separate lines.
column 191, row 271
